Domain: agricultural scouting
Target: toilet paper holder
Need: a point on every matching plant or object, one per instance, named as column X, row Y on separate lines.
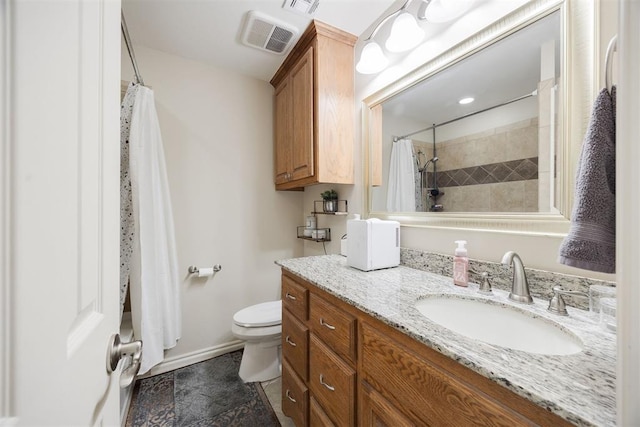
column 195, row 270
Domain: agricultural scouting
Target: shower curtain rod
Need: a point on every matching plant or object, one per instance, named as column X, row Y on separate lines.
column 534, row 93
column 127, row 41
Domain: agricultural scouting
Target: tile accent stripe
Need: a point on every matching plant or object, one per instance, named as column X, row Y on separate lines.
column 514, row 170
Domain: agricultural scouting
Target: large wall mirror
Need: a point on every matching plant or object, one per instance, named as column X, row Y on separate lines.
column 486, row 135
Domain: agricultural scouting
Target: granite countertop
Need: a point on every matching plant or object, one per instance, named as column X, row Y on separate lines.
column 579, row 388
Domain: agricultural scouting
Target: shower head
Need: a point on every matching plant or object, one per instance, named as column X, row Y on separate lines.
column 431, row 160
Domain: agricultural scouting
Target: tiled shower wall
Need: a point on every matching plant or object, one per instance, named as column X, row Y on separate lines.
column 492, row 171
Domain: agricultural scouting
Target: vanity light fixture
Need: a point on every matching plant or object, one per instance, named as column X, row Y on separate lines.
column 467, row 100
column 404, row 30
column 438, row 11
column 372, row 60
column 406, row 33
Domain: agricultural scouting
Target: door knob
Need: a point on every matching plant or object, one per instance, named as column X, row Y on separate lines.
column 118, row 350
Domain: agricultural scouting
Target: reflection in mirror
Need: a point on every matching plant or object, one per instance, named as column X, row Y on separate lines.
column 497, row 150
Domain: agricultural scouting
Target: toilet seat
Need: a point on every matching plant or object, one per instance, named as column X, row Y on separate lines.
column 260, row 315
column 256, row 334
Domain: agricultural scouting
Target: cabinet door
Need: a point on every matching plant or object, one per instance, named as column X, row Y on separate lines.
column 302, row 115
column 422, row 388
column 295, row 397
column 317, row 417
column 332, row 383
column 284, row 132
column 295, row 344
column 376, row 411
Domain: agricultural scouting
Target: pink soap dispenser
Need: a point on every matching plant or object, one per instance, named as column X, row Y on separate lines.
column 461, row 264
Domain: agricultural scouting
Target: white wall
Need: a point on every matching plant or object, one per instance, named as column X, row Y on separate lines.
column 217, row 129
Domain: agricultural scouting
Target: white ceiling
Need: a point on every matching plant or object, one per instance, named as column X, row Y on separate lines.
column 209, row 30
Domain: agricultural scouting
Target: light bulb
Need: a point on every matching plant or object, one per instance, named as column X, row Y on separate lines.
column 405, row 34
column 446, row 10
column 372, row 60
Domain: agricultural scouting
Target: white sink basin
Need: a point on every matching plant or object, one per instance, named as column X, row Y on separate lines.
column 499, row 325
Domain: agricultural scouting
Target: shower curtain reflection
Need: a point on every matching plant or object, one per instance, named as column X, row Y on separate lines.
column 401, row 195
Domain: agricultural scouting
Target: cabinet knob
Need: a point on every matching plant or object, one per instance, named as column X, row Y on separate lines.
column 289, row 296
column 289, row 396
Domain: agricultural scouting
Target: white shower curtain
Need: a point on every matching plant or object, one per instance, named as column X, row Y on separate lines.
column 401, row 192
column 155, row 288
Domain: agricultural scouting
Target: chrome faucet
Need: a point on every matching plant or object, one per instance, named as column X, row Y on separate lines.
column 520, row 285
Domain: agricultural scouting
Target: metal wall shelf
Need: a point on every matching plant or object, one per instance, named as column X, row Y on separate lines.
column 341, row 208
column 322, row 234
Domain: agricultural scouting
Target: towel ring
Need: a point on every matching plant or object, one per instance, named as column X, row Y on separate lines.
column 613, row 44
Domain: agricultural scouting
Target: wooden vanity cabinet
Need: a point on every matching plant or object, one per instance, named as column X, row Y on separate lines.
column 330, row 354
column 427, row 388
column 314, row 110
column 363, row 372
column 295, row 351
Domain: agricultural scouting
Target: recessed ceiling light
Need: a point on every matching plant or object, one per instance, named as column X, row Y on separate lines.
column 467, row 100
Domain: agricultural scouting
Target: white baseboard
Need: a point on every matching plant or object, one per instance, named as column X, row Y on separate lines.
column 172, row 363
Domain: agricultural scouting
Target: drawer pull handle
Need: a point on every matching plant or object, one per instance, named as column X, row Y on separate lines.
column 326, row 325
column 325, row 384
column 289, row 396
column 291, row 297
column 288, row 340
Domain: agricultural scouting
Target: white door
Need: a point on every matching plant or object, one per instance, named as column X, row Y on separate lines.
column 59, row 156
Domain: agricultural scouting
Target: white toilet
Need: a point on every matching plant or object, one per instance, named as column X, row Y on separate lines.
column 260, row 326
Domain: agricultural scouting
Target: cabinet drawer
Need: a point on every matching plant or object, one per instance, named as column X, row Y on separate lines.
column 332, row 383
column 295, row 396
column 317, row 417
column 335, row 327
column 376, row 411
column 423, row 389
column 295, row 344
column 294, row 298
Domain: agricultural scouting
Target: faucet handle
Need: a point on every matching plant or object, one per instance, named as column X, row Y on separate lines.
column 557, row 304
column 485, row 285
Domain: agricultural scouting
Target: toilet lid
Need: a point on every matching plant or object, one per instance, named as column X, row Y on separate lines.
column 260, row 315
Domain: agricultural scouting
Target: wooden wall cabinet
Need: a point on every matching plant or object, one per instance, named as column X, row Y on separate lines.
column 363, row 372
column 315, row 111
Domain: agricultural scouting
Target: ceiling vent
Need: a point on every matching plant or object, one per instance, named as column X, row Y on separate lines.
column 304, row 7
column 265, row 33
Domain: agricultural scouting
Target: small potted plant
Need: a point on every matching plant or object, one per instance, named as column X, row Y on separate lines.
column 329, row 201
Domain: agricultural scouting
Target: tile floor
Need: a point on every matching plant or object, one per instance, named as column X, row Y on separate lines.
column 273, row 390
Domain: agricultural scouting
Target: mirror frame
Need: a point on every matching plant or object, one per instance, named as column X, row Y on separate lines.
column 578, row 47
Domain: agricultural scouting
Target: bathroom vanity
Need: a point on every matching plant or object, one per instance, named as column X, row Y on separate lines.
column 356, row 351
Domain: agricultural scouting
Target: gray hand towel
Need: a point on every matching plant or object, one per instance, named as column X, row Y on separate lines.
column 591, row 242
